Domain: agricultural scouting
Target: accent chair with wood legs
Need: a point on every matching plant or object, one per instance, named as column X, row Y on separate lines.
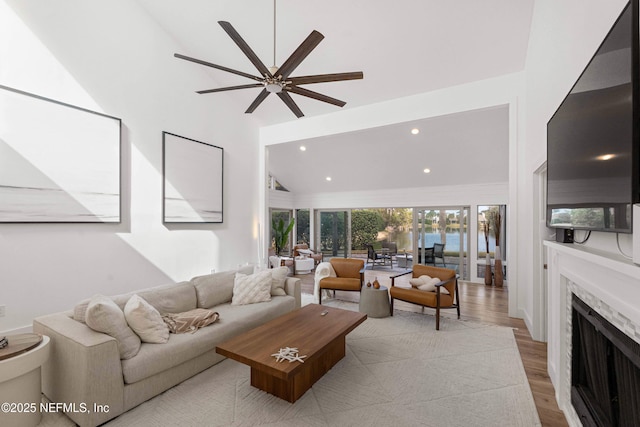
column 349, row 276
column 437, row 298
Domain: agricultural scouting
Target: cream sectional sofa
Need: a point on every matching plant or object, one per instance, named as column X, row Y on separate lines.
column 85, row 366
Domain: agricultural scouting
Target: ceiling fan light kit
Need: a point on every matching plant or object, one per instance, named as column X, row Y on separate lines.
column 276, row 79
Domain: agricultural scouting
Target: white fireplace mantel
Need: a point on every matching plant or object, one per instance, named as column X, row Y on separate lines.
column 611, row 283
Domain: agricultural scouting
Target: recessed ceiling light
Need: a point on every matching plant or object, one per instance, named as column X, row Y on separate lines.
column 426, row 170
column 606, row 157
column 303, row 148
column 415, row 131
column 328, row 178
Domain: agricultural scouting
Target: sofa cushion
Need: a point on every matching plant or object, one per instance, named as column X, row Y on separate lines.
column 252, row 288
column 103, row 315
column 340, row 283
column 171, row 298
column 214, row 289
column 146, row 321
column 279, row 276
column 153, row 359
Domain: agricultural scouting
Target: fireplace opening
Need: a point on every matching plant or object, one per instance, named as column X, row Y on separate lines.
column 605, row 371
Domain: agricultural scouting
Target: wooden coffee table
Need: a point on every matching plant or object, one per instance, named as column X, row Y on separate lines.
column 320, row 337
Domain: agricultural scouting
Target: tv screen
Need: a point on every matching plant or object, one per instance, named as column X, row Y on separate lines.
column 592, row 139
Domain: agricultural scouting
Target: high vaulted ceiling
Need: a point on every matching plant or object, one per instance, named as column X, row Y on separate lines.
column 404, row 47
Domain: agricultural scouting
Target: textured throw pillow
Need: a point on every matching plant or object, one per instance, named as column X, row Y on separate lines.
column 104, row 315
column 189, row 321
column 427, row 283
column 419, row 281
column 279, row 277
column 146, row 321
column 249, row 289
column 80, row 311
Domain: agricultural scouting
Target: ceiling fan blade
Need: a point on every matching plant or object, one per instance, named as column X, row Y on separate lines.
column 261, row 97
column 244, row 47
column 286, row 98
column 315, row 95
column 324, row 78
column 219, row 67
column 299, row 54
column 223, row 89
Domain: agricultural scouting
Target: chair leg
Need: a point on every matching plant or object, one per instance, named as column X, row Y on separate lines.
column 391, row 307
column 437, row 318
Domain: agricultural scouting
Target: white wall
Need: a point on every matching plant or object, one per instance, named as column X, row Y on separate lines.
column 87, row 54
column 564, row 37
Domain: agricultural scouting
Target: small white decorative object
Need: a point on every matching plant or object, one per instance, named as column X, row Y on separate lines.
column 288, row 353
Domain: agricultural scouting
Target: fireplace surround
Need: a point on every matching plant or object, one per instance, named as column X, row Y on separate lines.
column 609, row 285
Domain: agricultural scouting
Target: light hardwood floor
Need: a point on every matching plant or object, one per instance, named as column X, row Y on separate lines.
column 489, row 305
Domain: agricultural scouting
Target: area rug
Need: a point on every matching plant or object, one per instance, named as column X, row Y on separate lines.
column 398, row 371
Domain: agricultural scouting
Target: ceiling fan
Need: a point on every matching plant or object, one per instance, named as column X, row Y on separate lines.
column 276, row 79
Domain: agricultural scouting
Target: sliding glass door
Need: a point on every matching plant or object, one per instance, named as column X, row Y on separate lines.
column 442, row 226
column 333, row 232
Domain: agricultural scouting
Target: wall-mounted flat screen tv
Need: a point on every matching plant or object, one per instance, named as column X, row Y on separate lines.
column 593, row 139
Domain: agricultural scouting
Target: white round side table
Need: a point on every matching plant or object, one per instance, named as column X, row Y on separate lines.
column 304, row 265
column 21, row 384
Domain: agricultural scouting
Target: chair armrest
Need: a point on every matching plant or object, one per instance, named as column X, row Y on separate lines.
column 444, row 282
column 393, row 278
column 401, row 274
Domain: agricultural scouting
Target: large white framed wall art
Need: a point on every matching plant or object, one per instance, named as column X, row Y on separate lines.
column 192, row 185
column 58, row 163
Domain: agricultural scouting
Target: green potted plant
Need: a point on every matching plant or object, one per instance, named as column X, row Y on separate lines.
column 281, row 234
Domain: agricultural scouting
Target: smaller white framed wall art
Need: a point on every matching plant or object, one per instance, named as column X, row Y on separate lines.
column 192, row 180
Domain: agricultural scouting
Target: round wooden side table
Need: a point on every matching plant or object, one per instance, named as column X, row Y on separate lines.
column 20, row 381
column 374, row 302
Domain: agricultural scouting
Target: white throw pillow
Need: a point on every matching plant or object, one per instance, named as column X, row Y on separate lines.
column 146, row 321
column 419, row 281
column 279, row 277
column 430, row 286
column 252, row 288
column 104, row 315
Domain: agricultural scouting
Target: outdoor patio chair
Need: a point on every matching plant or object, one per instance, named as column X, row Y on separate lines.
column 430, row 254
column 392, row 249
column 376, row 257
